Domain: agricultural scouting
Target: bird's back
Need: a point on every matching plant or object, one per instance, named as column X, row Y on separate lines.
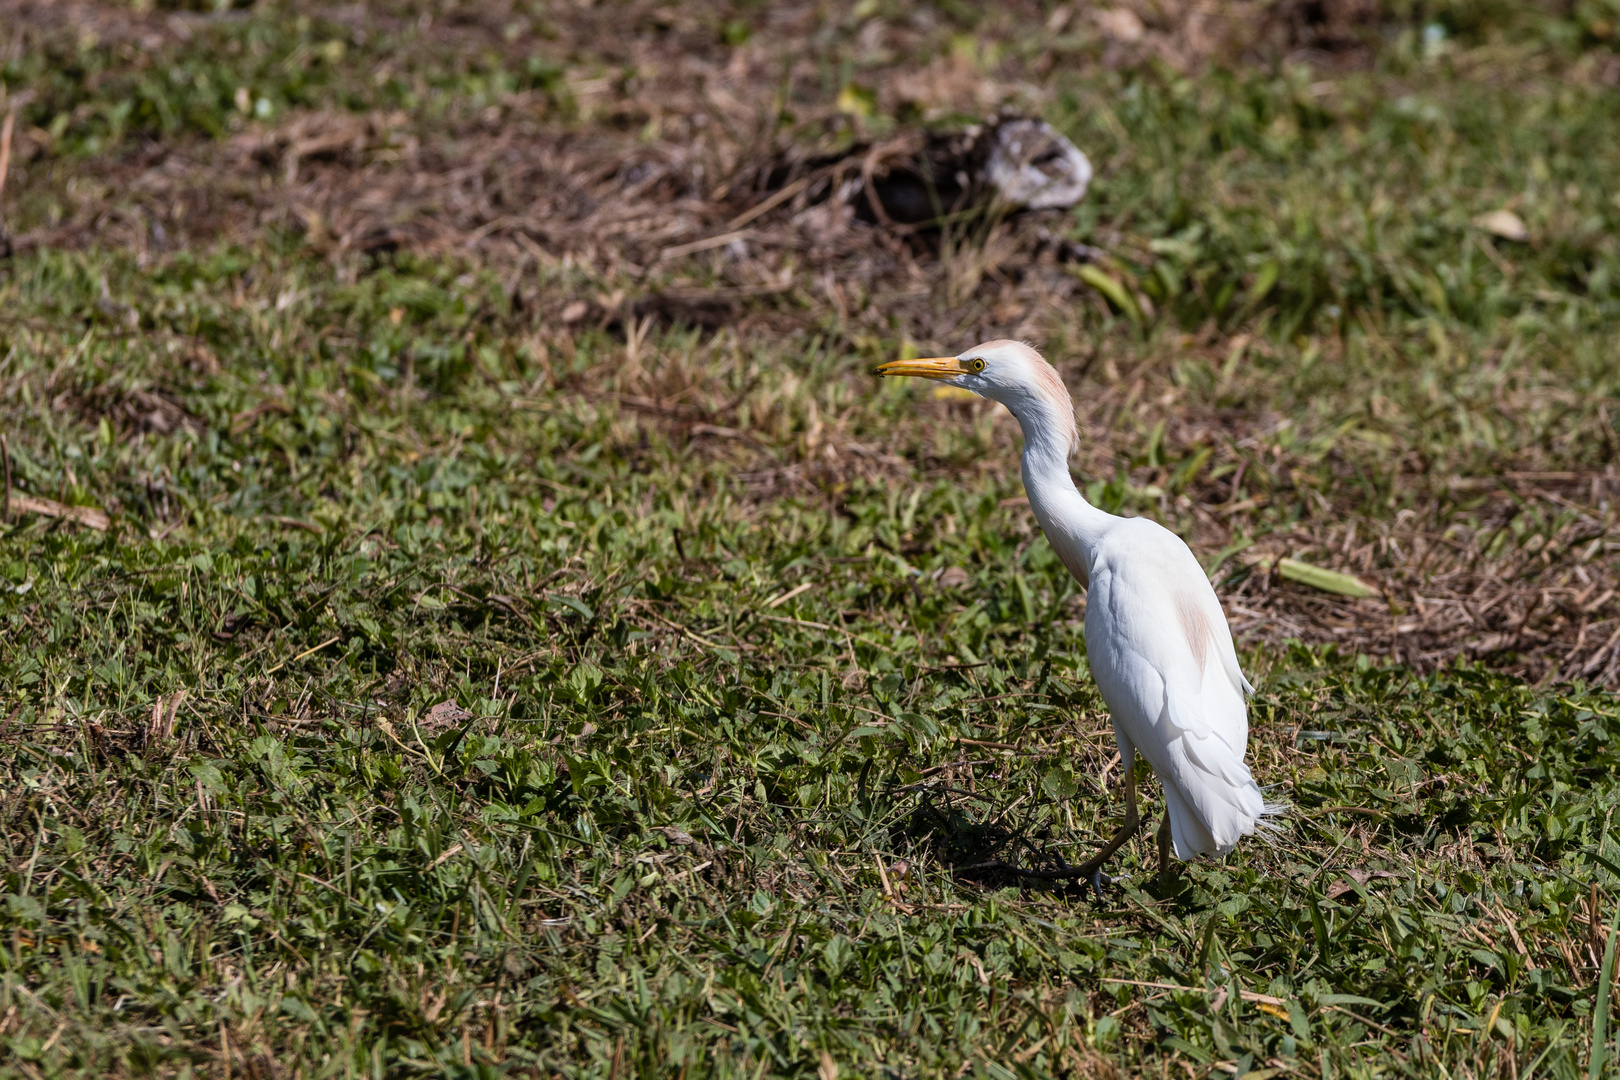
column 1162, row 654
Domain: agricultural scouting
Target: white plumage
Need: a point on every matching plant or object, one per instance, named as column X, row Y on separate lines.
column 1156, row 637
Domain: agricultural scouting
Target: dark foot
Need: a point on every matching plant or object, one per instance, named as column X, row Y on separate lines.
column 1098, row 880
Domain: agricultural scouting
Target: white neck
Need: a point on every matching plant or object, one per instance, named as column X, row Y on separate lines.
column 1071, row 524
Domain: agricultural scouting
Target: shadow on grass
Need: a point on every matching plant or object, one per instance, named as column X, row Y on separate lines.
column 993, row 851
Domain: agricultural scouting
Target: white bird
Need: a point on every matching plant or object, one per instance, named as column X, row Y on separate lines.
column 1156, row 637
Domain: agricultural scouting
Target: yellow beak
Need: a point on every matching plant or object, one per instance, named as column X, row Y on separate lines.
column 932, row 367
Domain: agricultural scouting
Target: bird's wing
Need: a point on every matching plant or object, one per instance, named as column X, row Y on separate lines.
column 1161, row 602
column 1163, row 657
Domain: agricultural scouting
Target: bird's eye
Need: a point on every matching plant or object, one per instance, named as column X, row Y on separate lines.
column 976, row 365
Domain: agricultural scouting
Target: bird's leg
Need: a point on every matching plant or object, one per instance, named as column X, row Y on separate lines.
column 1164, row 843
column 1092, row 868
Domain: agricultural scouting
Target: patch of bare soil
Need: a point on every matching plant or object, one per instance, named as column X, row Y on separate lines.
column 1547, row 611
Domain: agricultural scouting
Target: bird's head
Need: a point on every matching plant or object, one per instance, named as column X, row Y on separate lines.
column 1012, row 373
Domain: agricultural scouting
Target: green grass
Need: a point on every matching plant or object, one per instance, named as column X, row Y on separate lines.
column 432, row 704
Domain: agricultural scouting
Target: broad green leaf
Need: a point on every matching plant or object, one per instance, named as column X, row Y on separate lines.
column 1327, row 580
column 1112, row 288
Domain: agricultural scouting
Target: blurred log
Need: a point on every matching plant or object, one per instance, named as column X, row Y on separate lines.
column 926, row 179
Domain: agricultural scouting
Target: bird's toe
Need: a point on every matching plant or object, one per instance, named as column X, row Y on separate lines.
column 1098, row 880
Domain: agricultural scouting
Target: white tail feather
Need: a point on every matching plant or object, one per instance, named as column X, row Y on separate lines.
column 1211, row 798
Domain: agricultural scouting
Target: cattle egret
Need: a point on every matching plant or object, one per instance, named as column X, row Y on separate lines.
column 1156, row 637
